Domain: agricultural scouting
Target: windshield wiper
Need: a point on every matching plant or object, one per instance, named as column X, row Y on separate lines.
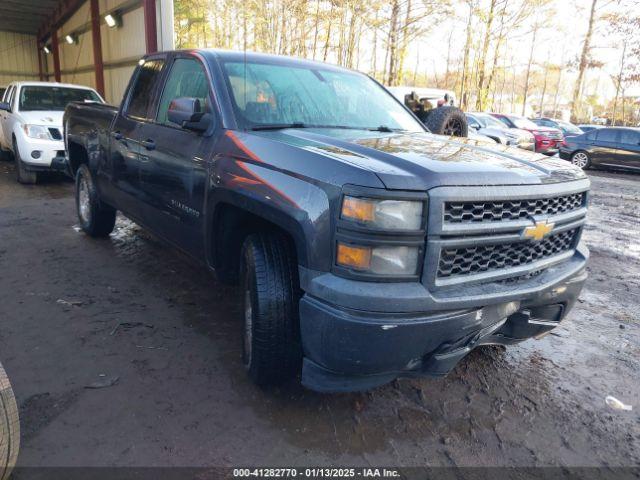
column 279, row 126
column 384, row 128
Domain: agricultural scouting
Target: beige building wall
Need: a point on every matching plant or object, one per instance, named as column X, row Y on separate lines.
column 122, row 47
column 18, row 57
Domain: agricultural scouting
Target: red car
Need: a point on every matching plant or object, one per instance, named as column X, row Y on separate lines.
column 548, row 140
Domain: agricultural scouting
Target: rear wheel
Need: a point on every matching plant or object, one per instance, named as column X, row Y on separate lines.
column 271, row 350
column 4, row 154
column 96, row 219
column 23, row 175
column 9, row 427
column 581, row 159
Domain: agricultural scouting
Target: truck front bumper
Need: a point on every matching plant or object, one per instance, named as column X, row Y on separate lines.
column 350, row 349
column 42, row 155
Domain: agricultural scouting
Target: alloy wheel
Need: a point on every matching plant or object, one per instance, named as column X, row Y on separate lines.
column 580, row 159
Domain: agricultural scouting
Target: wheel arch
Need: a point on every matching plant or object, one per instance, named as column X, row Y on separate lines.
column 77, row 154
column 233, row 218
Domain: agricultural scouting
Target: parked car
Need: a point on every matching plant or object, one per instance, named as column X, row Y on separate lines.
column 485, row 124
column 547, row 139
column 568, row 129
column 589, row 127
column 31, row 119
column 616, row 147
column 366, row 248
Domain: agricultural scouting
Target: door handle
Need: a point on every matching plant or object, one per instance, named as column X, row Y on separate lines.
column 148, row 144
column 117, row 135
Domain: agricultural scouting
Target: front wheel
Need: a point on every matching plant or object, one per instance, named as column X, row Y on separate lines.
column 581, row 159
column 271, row 350
column 23, row 175
column 96, row 219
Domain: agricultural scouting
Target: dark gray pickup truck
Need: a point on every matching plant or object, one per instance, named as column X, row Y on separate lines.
column 365, row 247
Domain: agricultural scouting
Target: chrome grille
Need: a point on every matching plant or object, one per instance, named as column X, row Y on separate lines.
column 483, row 258
column 496, row 211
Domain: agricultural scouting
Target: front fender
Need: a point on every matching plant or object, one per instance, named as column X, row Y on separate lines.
column 301, row 208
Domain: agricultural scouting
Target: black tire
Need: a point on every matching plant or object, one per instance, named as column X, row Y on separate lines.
column 9, row 427
column 581, row 159
column 22, row 174
column 96, row 219
column 5, row 154
column 447, row 120
column 271, row 350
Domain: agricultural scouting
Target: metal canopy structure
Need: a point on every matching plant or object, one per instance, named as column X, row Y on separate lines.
column 26, row 16
column 90, row 42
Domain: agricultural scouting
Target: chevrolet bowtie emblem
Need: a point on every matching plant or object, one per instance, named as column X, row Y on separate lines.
column 538, row 231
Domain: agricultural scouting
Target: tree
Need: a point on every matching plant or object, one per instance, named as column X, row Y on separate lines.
column 584, row 62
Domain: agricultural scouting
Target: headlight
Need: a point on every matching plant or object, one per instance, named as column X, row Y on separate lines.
column 380, row 260
column 383, row 214
column 37, row 131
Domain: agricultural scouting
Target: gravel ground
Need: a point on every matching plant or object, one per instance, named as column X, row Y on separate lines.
column 161, row 337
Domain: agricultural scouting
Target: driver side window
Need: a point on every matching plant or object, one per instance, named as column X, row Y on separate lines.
column 187, row 79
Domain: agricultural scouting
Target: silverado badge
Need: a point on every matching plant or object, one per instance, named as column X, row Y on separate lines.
column 538, row 231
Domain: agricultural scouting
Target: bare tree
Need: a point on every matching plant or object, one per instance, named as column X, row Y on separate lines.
column 584, row 61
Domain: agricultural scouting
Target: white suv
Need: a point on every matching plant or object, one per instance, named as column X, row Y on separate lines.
column 31, row 124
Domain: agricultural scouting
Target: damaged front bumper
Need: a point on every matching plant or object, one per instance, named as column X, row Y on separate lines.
column 353, row 348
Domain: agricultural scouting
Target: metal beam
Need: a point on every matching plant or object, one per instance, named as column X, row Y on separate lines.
column 56, row 55
column 97, row 46
column 150, row 26
column 62, row 13
column 40, row 59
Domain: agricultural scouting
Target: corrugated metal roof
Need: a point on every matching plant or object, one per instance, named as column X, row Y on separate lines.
column 25, row 16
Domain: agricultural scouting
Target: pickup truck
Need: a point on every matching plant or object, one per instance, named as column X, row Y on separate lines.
column 31, row 125
column 365, row 247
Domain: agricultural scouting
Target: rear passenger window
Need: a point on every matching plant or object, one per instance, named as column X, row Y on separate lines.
column 607, row 135
column 187, row 79
column 142, row 91
column 629, row 137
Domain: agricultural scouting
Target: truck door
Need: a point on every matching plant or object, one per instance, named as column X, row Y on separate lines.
column 124, row 154
column 173, row 167
column 5, row 119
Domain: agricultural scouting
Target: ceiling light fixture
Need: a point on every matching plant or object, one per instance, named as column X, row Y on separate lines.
column 113, row 20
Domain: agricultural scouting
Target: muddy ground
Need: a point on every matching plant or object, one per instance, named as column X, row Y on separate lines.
column 78, row 312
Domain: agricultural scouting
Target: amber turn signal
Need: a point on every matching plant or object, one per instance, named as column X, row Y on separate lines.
column 358, row 209
column 354, row 256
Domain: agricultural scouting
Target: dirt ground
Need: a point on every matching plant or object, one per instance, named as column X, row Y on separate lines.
column 163, row 340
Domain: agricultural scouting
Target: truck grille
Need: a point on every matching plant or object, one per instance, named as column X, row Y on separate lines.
column 484, row 258
column 497, row 211
column 55, row 133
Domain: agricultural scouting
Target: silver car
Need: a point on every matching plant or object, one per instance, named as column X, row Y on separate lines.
column 485, row 124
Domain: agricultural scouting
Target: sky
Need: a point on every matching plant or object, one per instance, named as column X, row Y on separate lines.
column 561, row 42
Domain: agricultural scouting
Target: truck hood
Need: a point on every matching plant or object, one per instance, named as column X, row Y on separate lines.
column 46, row 118
column 420, row 161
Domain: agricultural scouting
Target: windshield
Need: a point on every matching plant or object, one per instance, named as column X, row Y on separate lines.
column 569, row 127
column 523, row 123
column 266, row 94
column 52, row 98
column 490, row 121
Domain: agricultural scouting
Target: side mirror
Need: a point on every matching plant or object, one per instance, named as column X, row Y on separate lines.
column 187, row 112
column 5, row 106
column 475, row 126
